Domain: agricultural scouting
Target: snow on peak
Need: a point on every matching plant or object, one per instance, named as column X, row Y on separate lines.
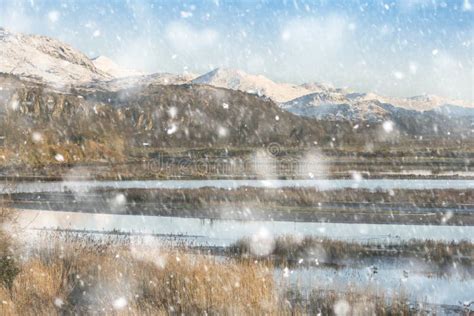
column 111, row 68
column 337, row 106
column 45, row 59
column 425, row 102
column 41, row 58
column 240, row 80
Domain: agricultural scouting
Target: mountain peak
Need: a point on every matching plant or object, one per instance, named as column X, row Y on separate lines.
column 237, row 79
column 318, row 86
column 225, row 77
column 110, row 67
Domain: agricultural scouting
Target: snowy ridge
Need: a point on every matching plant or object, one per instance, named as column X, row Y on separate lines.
column 420, row 102
column 371, row 107
column 239, row 80
column 336, row 106
column 323, row 100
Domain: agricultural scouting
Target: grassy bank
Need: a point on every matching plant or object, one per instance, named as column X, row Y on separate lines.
column 111, row 159
column 399, row 206
column 299, row 196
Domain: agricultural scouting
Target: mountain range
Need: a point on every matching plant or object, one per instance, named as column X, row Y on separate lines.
column 58, row 64
column 47, row 85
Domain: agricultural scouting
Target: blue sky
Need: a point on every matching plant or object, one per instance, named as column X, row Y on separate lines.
column 393, row 47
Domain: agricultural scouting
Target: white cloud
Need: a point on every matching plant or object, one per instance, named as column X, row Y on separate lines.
column 53, row 16
column 316, row 35
column 186, row 14
column 183, row 37
column 467, row 6
column 320, row 48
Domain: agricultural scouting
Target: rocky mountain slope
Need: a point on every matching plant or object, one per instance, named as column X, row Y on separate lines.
column 82, row 123
column 137, row 82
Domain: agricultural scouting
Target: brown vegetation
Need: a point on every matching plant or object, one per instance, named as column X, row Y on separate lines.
column 350, row 302
column 290, row 249
column 209, row 196
column 93, row 125
column 81, row 276
column 399, row 206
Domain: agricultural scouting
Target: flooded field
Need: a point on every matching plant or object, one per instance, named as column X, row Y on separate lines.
column 418, row 281
column 224, row 232
column 440, row 288
column 415, row 278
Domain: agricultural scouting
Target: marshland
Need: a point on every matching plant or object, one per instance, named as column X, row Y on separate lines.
column 66, row 272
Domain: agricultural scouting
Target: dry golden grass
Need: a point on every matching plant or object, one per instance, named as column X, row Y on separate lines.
column 81, row 279
column 92, row 278
column 41, row 154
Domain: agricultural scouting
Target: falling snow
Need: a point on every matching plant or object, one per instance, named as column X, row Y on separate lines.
column 242, row 157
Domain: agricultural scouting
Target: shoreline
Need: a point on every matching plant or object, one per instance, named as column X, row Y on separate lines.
column 46, row 179
column 329, row 217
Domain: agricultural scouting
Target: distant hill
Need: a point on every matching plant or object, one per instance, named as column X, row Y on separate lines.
column 159, row 115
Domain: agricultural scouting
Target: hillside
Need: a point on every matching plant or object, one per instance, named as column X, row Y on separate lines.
column 109, row 123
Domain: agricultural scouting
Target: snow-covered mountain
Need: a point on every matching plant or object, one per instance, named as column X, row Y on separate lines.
column 45, row 59
column 429, row 102
column 336, row 106
column 323, row 101
column 332, row 105
column 419, row 103
column 320, row 87
column 239, row 80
